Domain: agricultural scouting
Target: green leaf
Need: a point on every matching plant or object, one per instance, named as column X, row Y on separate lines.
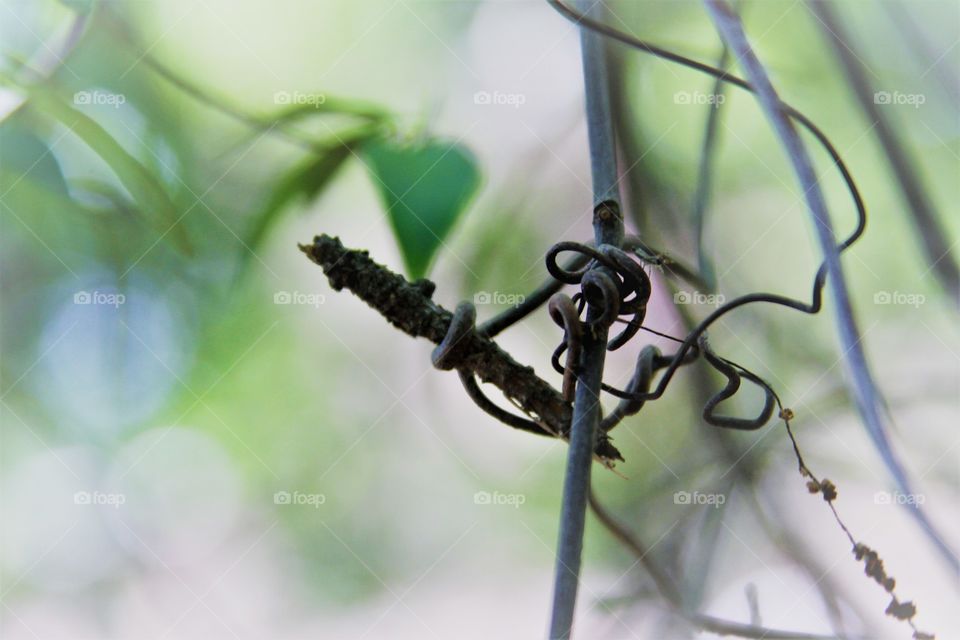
column 424, row 187
column 147, row 191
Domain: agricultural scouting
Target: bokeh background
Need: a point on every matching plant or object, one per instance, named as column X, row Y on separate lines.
column 200, row 439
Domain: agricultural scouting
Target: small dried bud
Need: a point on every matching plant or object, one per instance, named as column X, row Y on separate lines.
column 874, row 568
column 813, row 486
column 829, row 490
column 786, row 414
column 901, row 610
column 889, row 584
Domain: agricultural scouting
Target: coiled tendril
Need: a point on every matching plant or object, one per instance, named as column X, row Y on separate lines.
column 622, row 291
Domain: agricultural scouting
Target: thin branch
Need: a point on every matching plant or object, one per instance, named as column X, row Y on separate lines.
column 408, row 307
column 608, row 230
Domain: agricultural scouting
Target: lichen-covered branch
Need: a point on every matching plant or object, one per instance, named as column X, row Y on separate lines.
column 408, row 306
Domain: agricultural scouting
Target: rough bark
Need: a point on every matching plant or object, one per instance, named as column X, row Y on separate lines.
column 408, row 306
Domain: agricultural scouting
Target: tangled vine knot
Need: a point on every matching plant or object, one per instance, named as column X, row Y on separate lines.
column 621, row 289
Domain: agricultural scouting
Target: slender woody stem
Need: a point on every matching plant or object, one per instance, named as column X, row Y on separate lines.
column 608, row 229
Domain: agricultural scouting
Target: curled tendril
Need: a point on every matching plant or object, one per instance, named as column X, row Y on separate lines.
column 603, row 291
column 734, row 372
column 639, row 393
column 689, row 343
column 633, row 279
column 632, row 284
column 447, row 356
column 464, row 318
column 624, row 288
column 649, row 362
column 564, row 312
column 563, row 274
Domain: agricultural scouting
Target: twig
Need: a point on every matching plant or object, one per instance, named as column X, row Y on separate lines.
column 408, row 307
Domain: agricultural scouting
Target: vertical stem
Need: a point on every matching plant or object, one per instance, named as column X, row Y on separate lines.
column 596, row 80
column 576, row 486
column 608, row 229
